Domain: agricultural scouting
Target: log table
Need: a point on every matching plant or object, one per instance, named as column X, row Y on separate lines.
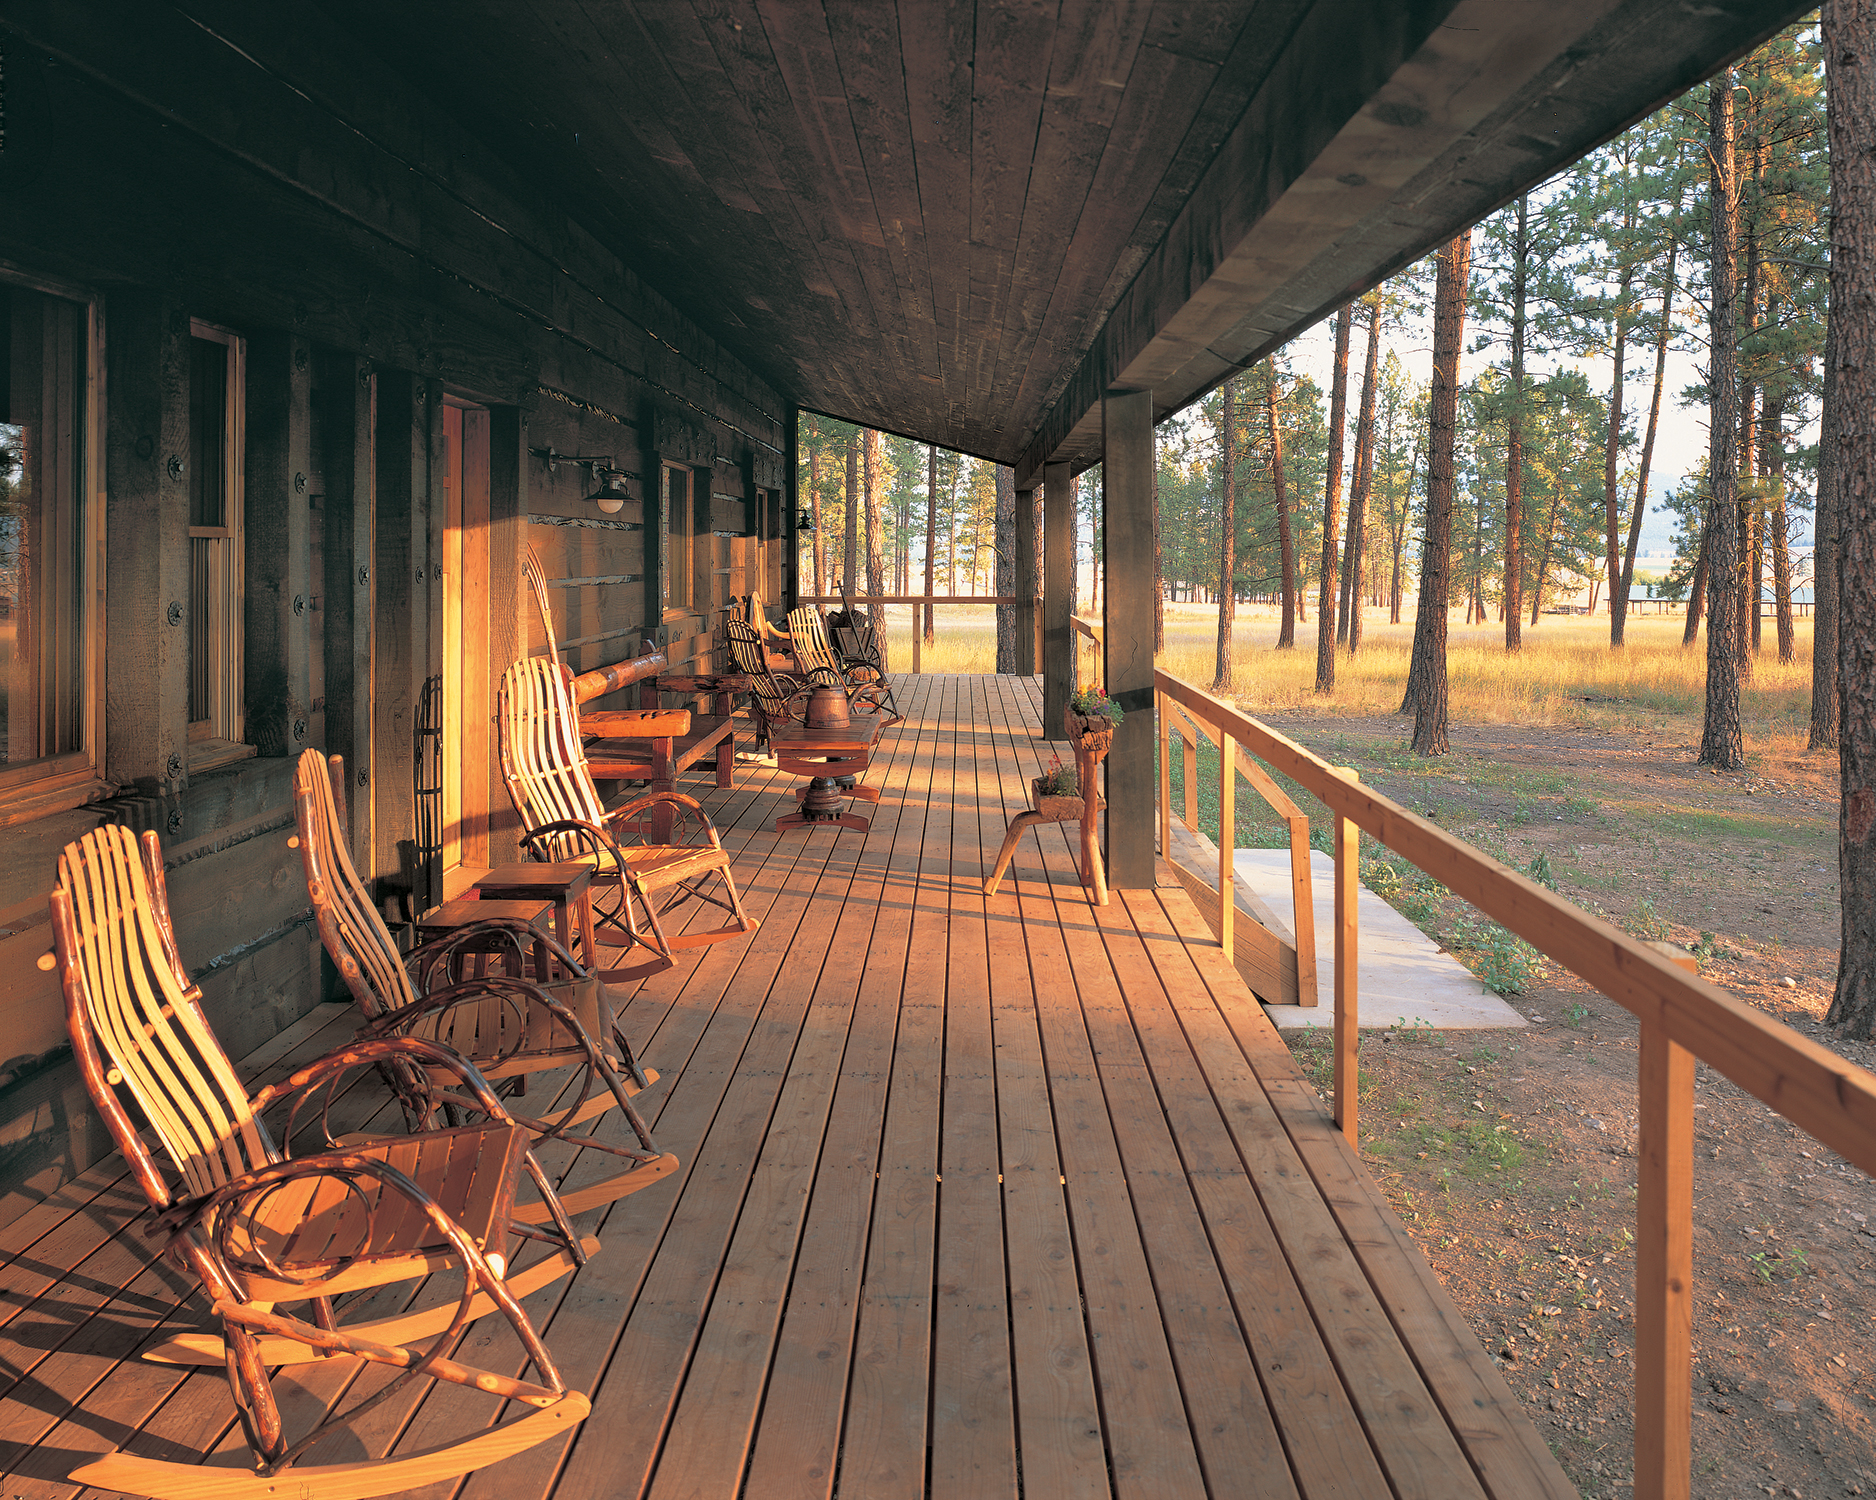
column 827, row 757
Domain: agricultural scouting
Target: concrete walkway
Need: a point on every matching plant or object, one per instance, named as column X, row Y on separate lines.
column 1403, row 977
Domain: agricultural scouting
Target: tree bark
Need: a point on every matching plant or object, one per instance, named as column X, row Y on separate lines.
column 814, row 501
column 1618, row 602
column 1773, row 446
column 875, row 537
column 1697, row 590
column 1849, row 46
column 1751, row 545
column 1360, row 476
column 1426, row 678
column 1721, row 741
column 1159, row 583
column 1543, row 564
column 1612, row 444
column 850, row 572
column 1824, row 694
column 1228, row 533
column 1514, row 438
column 931, row 531
column 1332, row 505
column 1004, row 543
column 1286, row 632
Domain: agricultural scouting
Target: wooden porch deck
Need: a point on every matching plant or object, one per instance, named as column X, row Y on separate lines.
column 1017, row 1197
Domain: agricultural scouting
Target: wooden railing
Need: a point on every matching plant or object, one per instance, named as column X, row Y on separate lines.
column 1682, row 1017
column 1095, row 634
column 867, row 601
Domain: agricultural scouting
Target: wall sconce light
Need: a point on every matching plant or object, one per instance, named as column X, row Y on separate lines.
column 607, row 481
column 804, row 521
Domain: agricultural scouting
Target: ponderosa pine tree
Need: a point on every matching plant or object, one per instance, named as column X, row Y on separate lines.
column 1824, row 694
column 1332, row 505
column 1286, row 632
column 1426, row 677
column 1721, row 741
column 875, row 504
column 850, row 560
column 1361, row 478
column 1849, row 47
column 931, row 531
column 1227, row 533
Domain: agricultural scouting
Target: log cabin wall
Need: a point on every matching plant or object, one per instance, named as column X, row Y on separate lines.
column 271, row 185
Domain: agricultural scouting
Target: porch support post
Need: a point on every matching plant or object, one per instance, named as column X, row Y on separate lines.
column 277, row 617
column 1127, row 530
column 1058, row 595
column 346, row 416
column 508, row 596
column 1026, row 582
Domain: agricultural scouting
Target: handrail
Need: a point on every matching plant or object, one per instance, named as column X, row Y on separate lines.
column 1682, row 1018
column 914, row 599
column 1096, row 632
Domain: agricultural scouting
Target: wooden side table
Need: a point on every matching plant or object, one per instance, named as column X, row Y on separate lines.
column 827, row 756
column 464, row 912
column 567, row 886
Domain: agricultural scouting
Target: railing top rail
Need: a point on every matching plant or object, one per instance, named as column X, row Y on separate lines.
column 1086, row 626
column 1832, row 1100
column 919, row 599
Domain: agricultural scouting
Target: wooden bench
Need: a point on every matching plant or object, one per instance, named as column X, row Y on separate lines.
column 624, row 745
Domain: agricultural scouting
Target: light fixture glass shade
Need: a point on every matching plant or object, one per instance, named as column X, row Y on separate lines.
column 609, row 489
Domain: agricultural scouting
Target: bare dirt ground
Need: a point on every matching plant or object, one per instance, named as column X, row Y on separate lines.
column 1511, row 1154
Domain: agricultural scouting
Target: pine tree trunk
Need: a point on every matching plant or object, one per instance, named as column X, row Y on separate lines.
column 1159, row 584
column 1611, row 501
column 1332, row 505
column 1618, row 603
column 931, row 531
column 1004, row 539
column 1776, row 520
column 1286, row 632
column 1849, row 44
column 1514, row 437
column 1360, row 472
column 1228, row 533
column 850, row 574
column 1543, row 566
column 1697, row 590
column 814, row 501
column 1825, row 700
column 875, row 538
column 1426, row 678
column 1721, row 741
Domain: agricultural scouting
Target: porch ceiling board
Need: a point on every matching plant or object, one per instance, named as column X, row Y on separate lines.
column 963, row 222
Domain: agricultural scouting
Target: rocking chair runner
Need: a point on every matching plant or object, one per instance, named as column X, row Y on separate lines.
column 258, row 1227
column 545, row 769
column 506, row 1026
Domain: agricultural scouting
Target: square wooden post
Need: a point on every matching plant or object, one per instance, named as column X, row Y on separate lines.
column 1664, row 1269
column 1127, row 529
column 1026, row 583
column 347, row 412
column 278, row 545
column 1058, row 596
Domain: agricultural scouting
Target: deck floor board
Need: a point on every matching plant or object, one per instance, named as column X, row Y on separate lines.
column 977, row 1197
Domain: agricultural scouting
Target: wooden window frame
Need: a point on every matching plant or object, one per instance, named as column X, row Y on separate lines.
column 68, row 779
column 676, row 537
column 218, row 738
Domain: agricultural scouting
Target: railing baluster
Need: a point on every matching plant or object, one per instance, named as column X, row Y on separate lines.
column 1347, row 996
column 1664, row 1270
column 1227, row 838
column 1164, row 721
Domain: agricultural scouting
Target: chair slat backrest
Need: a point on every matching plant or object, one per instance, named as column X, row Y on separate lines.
column 133, row 1010
column 745, row 650
column 536, row 576
column 350, row 924
column 543, row 762
column 812, row 651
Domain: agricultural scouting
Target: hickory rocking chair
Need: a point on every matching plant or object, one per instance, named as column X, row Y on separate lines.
column 507, row 1026
column 637, row 849
column 257, row 1226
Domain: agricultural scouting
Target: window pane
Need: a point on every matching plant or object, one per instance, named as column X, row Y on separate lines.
column 42, row 388
column 208, row 416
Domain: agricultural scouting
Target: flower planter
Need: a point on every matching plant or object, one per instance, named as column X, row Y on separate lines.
column 1057, row 807
column 1090, row 733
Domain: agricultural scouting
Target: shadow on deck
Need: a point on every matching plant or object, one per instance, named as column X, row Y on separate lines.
column 977, row 1198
